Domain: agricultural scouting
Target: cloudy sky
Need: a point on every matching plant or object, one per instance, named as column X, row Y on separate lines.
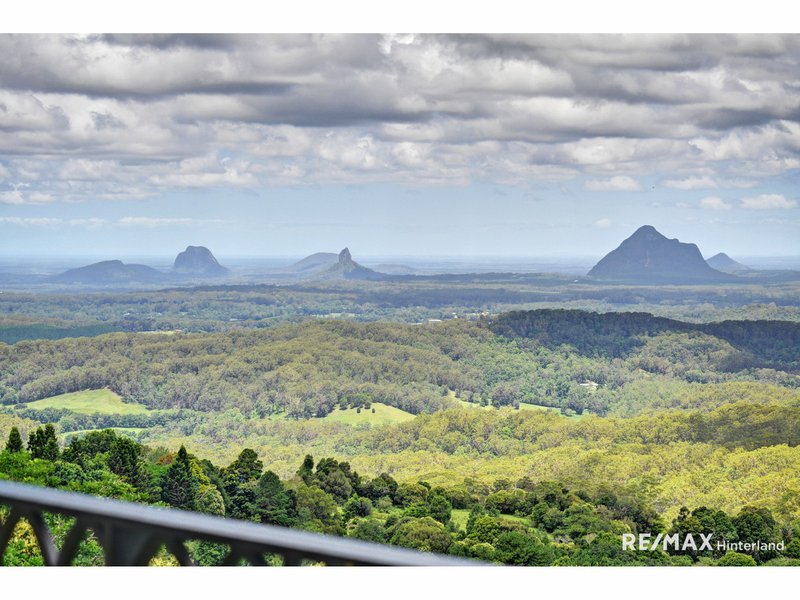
column 536, row 145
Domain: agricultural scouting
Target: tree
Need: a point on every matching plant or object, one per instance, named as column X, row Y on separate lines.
column 245, row 468
column 757, row 525
column 274, row 504
column 518, row 548
column 317, row 510
column 306, row 470
column 239, row 479
column 371, row 530
column 179, row 485
column 357, row 506
column 42, row 443
column 439, row 506
column 736, row 559
column 14, row 443
column 424, row 534
column 124, row 459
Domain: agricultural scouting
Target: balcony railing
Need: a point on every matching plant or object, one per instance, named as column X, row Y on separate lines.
column 131, row 534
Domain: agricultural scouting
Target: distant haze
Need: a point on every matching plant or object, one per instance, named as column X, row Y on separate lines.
column 463, row 146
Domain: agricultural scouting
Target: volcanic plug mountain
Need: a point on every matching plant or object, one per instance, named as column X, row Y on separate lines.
column 198, row 260
column 723, row 262
column 347, row 268
column 649, row 257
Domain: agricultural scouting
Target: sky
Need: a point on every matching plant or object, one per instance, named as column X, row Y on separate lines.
column 397, row 144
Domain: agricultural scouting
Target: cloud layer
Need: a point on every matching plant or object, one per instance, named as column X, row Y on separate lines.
column 131, row 116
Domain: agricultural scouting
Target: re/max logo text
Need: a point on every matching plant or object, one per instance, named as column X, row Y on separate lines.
column 646, row 541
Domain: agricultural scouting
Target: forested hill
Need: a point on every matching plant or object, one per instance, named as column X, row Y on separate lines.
column 571, row 360
column 617, row 334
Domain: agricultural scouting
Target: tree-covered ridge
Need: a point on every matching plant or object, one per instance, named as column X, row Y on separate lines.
column 518, row 522
column 760, row 343
column 572, row 360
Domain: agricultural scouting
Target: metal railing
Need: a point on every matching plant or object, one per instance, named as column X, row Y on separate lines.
column 131, row 534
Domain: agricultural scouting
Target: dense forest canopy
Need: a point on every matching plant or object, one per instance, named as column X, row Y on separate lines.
column 529, row 437
column 514, row 521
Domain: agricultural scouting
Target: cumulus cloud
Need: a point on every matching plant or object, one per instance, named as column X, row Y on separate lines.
column 768, row 202
column 714, row 203
column 691, row 183
column 603, row 223
column 130, row 116
column 618, row 183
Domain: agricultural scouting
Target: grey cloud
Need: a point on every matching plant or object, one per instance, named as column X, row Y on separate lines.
column 166, row 109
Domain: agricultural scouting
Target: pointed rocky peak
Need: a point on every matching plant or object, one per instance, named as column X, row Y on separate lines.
column 347, row 268
column 647, row 256
column 647, row 232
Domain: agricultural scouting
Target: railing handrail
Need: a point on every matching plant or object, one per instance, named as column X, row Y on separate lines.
column 156, row 526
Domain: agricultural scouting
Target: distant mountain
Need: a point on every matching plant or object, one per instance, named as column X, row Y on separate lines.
column 110, row 272
column 392, row 269
column 649, row 257
column 198, row 260
column 347, row 268
column 723, row 262
column 313, row 263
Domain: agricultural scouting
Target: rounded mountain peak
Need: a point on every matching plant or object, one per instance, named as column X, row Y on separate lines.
column 198, row 260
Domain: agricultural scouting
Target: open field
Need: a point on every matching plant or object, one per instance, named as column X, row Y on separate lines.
column 88, row 402
column 383, row 415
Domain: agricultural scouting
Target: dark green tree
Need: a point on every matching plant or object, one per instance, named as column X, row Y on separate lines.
column 179, row 486
column 274, row 504
column 439, row 506
column 306, row 470
column 125, row 459
column 757, row 525
column 14, row 443
column 356, row 506
column 518, row 548
column 42, row 443
column 239, row 481
column 245, row 468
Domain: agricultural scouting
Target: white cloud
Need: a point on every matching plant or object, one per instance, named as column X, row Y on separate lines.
column 89, row 223
column 31, row 221
column 714, row 203
column 154, row 222
column 618, row 183
column 691, row 183
column 767, row 202
column 18, row 196
column 603, row 223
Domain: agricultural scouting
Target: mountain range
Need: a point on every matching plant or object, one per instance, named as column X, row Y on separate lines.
column 194, row 262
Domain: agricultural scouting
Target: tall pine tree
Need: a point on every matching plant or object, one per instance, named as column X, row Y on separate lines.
column 179, row 485
column 14, row 443
column 42, row 443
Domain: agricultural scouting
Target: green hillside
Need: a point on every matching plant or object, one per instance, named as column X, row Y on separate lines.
column 88, row 402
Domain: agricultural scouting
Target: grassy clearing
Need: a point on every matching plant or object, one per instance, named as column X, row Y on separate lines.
column 90, row 402
column 460, row 516
column 383, row 415
column 526, row 406
column 129, row 431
